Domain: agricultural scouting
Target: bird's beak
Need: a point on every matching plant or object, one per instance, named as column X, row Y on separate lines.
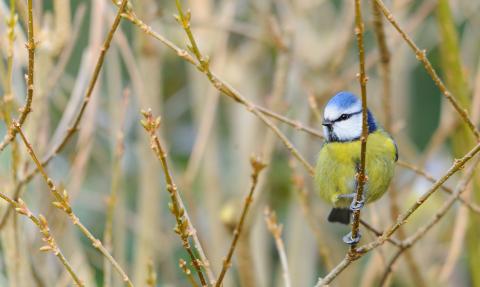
column 327, row 123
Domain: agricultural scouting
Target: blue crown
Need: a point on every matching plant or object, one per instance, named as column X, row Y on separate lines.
column 343, row 100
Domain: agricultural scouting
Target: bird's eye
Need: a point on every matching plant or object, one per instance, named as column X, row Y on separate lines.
column 343, row 117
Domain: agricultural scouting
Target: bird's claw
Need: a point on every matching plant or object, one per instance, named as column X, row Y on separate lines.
column 348, row 239
column 357, row 205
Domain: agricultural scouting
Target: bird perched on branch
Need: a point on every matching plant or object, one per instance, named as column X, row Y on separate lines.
column 339, row 159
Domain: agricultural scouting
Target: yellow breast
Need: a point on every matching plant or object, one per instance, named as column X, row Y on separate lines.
column 338, row 163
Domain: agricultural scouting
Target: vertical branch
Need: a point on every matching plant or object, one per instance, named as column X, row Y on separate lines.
column 276, row 230
column 112, row 199
column 361, row 178
column 184, row 227
column 26, row 109
column 257, row 167
column 384, row 66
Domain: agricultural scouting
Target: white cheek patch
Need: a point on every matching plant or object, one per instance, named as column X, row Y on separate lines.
column 332, row 113
column 349, row 129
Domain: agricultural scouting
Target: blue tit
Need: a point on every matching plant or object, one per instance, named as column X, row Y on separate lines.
column 339, row 158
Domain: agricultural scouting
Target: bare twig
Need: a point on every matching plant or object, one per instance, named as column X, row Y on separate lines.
column 389, row 269
column 461, row 187
column 112, row 198
column 276, row 231
column 335, row 271
column 63, row 203
column 422, row 57
column 257, row 167
column 324, row 252
column 27, row 108
column 183, row 265
column 184, row 227
column 470, row 205
column 402, row 219
column 360, row 177
column 50, row 243
column 203, row 66
column 457, row 165
column 76, row 122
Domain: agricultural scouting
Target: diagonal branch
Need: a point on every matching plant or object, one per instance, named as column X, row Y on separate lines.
column 422, row 57
column 184, row 227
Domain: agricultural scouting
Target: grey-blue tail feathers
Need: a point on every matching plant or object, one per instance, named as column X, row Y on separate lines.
column 340, row 215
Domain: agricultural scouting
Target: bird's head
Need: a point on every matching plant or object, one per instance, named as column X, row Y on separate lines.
column 342, row 118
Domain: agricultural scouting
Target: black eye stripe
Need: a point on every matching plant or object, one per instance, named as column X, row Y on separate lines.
column 346, row 116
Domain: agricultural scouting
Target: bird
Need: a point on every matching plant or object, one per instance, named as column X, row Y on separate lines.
column 338, row 161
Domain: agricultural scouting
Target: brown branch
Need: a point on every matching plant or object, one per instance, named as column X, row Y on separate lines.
column 467, row 202
column 457, row 165
column 402, row 218
column 461, row 187
column 384, row 66
column 394, row 241
column 183, row 265
column 223, row 87
column 323, row 250
column 422, row 57
column 389, row 269
column 276, row 231
column 335, row 271
column 360, row 177
column 74, row 127
column 422, row 231
column 27, row 108
column 115, row 184
column 63, row 203
column 50, row 244
column 184, row 227
column 257, row 167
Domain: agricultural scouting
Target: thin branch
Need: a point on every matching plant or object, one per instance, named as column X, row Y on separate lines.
column 422, row 57
column 203, row 66
column 63, row 203
column 257, row 167
column 402, row 219
column 27, row 108
column 323, row 250
column 276, row 230
column 76, row 122
column 184, row 227
column 51, row 245
column 394, row 241
column 461, row 187
column 112, row 198
column 183, row 265
column 422, row 231
column 360, row 177
column 389, row 269
column 384, row 66
column 335, row 271
column 467, row 202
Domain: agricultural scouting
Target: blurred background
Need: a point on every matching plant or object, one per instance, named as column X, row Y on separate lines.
column 288, row 56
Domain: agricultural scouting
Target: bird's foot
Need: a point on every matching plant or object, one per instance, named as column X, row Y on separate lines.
column 348, row 239
column 357, row 205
